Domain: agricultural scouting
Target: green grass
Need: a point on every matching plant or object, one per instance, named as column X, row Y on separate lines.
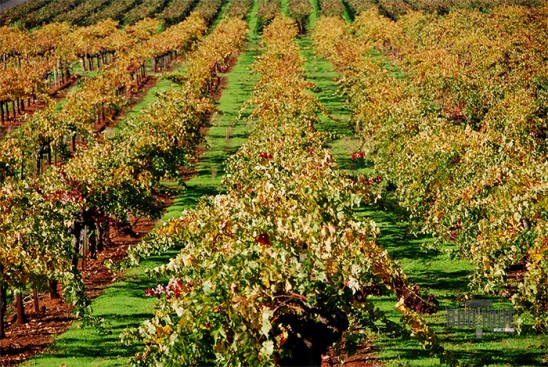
column 161, row 85
column 221, row 14
column 253, row 22
column 434, row 271
column 123, row 304
column 225, row 135
column 226, row 132
column 284, row 9
column 338, row 121
column 315, row 15
column 348, row 16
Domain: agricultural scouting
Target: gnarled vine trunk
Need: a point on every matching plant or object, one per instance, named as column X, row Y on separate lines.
column 76, row 230
column 19, row 307
column 3, row 305
column 309, row 333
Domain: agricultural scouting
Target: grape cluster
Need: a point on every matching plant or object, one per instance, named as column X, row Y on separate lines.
column 263, row 239
column 369, row 181
column 415, row 301
column 265, row 155
column 173, row 289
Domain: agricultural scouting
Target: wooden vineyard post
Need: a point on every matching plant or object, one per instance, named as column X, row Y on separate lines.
column 19, row 307
column 35, row 300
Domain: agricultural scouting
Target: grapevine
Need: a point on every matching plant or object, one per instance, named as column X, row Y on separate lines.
column 467, row 163
column 279, row 250
column 65, row 194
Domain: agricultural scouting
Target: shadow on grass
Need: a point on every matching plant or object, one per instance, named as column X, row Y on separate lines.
column 353, row 165
column 431, row 269
column 510, row 357
column 133, row 287
column 190, row 197
column 94, row 349
column 442, row 280
column 471, row 354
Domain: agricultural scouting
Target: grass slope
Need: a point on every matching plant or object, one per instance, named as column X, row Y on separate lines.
column 225, row 134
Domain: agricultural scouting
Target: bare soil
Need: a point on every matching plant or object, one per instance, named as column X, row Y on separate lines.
column 365, row 356
column 57, row 94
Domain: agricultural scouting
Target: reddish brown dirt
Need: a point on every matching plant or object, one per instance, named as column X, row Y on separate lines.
column 57, row 94
column 55, row 317
column 365, row 356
